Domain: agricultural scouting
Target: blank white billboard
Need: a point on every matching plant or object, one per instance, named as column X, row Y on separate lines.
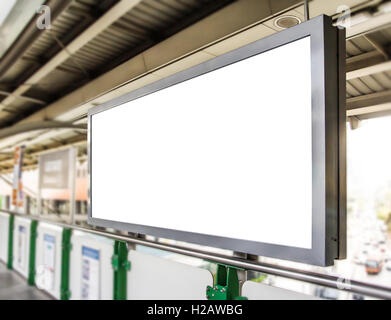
column 225, row 154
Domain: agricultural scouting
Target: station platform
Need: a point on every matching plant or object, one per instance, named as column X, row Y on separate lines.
column 14, row 287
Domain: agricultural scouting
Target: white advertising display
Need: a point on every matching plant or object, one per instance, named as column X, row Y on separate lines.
column 17, row 186
column 182, row 144
column 54, row 169
column 48, row 258
column 21, row 247
column 48, row 261
column 90, row 274
column 239, row 152
column 4, row 234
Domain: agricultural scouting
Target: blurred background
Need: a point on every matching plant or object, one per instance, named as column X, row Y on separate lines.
column 60, row 58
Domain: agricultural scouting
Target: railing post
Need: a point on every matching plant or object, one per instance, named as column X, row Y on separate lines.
column 65, row 293
column 33, row 241
column 10, row 240
column 121, row 266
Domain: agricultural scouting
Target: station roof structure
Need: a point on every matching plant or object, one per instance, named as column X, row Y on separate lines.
column 96, row 50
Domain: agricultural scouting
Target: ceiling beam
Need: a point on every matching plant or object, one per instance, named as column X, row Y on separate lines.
column 37, row 63
column 30, row 99
column 369, row 63
column 219, row 25
column 40, row 125
column 113, row 14
column 369, row 100
column 155, row 38
column 371, row 25
column 29, row 35
column 376, row 114
column 380, row 48
column 364, row 60
column 377, row 68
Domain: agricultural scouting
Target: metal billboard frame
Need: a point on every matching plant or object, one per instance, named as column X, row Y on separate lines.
column 328, row 146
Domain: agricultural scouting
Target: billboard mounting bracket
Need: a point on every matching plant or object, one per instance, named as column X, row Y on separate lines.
column 226, row 286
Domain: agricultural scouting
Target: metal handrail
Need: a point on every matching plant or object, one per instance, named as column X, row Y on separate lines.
column 331, row 281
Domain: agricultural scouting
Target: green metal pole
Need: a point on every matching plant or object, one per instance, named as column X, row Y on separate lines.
column 33, row 241
column 65, row 293
column 121, row 266
column 10, row 240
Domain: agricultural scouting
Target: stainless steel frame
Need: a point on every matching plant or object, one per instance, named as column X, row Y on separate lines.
column 327, row 222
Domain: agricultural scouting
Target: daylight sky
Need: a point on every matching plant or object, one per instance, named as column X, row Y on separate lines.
column 369, row 155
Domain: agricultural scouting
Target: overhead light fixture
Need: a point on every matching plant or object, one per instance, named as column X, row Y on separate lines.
column 285, row 22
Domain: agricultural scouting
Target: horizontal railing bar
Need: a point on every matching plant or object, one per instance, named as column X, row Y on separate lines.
column 331, row 281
